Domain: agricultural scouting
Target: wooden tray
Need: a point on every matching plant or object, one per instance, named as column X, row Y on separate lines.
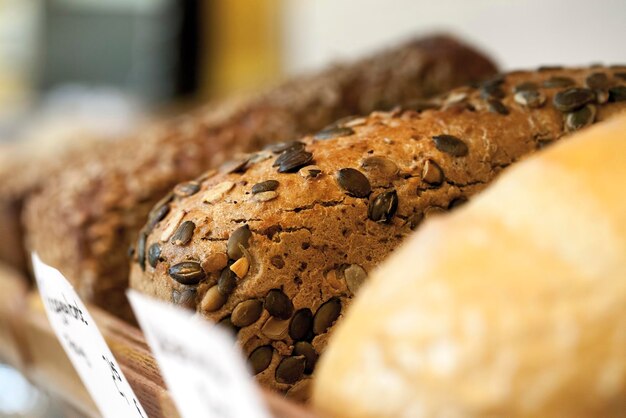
column 28, row 343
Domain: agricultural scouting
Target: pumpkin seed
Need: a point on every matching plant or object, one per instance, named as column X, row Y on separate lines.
column 154, row 253
column 187, row 272
column 354, row 182
column 450, row 145
column 573, row 99
column 260, row 358
column 278, row 304
column 183, row 234
column 333, row 132
column 301, row 324
column 383, row 207
column 241, row 236
column 290, row 369
column 326, row 315
column 265, row 186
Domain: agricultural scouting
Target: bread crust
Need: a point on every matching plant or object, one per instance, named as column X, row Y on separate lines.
column 84, row 220
column 514, row 306
column 315, row 237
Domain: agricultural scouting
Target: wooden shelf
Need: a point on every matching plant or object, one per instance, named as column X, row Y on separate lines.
column 28, row 343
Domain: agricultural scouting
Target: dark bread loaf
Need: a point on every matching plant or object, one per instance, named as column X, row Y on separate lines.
column 84, row 221
column 25, row 165
column 276, row 249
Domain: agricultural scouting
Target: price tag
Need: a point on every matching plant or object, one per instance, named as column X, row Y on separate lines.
column 84, row 345
column 200, row 363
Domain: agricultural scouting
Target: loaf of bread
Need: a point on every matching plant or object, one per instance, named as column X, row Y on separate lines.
column 25, row 164
column 514, row 306
column 85, row 220
column 276, row 247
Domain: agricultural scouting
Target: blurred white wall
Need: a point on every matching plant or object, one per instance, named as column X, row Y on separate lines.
column 519, row 34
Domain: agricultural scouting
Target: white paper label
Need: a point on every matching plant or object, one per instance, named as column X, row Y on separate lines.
column 84, row 345
column 200, row 363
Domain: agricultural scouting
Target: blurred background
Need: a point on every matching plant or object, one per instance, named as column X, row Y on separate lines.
column 109, row 63
column 71, row 69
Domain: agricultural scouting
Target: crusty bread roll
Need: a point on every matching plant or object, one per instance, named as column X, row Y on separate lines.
column 513, row 306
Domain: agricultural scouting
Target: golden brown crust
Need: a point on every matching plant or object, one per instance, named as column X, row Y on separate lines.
column 84, row 221
column 514, row 306
column 351, row 193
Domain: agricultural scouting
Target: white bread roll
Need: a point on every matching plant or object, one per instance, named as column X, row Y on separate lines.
column 513, row 306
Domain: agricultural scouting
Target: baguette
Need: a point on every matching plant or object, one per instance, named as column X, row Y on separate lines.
column 514, row 306
column 84, row 221
column 277, row 247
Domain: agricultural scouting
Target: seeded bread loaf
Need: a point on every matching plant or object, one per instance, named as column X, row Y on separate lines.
column 514, row 306
column 84, row 221
column 276, row 248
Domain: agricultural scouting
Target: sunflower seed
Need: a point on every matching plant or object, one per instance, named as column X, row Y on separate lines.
column 218, row 191
column 172, row 225
column 383, row 207
column 301, row 324
column 573, row 98
column 450, row 145
column 215, row 262
column 212, row 300
column 264, row 186
column 580, row 118
column 326, row 315
column 154, row 252
column 186, row 189
column 432, row 173
column 260, row 358
column 355, row 276
column 333, row 132
column 187, row 272
column 530, row 98
column 240, row 236
column 264, row 196
column 247, row 312
column 354, row 182
column 278, row 304
column 275, row 329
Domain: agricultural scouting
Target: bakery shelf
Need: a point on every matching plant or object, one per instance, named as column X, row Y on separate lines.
column 28, row 343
